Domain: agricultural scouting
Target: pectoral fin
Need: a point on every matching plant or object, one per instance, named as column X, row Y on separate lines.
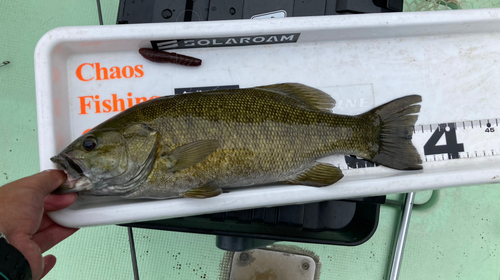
column 320, row 175
column 190, row 154
column 204, row 191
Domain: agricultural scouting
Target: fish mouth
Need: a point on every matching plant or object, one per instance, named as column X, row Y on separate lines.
column 77, row 181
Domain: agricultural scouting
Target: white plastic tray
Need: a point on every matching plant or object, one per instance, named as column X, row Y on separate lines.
column 450, row 58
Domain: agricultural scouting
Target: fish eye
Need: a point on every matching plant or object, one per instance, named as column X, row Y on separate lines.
column 89, row 143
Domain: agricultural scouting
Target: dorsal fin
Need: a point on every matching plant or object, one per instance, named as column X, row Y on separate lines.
column 314, row 98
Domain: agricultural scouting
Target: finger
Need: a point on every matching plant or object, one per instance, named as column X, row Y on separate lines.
column 46, row 181
column 45, row 223
column 49, row 263
column 57, row 202
column 52, row 235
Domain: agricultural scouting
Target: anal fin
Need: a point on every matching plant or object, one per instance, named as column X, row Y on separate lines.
column 320, row 175
column 204, row 191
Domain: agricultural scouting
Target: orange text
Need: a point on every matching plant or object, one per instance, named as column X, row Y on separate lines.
column 102, row 73
column 93, row 103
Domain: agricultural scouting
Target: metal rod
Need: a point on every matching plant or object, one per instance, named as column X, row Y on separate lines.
column 403, row 231
column 99, row 11
column 132, row 252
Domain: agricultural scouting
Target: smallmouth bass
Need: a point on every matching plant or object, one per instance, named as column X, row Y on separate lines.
column 197, row 144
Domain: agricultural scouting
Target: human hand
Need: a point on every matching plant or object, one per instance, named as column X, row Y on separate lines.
column 24, row 221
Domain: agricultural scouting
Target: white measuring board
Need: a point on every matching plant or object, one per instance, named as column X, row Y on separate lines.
column 449, row 58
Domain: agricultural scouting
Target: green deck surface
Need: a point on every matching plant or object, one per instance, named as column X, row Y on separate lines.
column 457, row 237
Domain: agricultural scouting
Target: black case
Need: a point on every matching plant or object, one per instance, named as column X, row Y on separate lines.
column 147, row 11
column 347, row 222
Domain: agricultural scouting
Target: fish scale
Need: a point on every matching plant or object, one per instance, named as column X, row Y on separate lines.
column 267, row 134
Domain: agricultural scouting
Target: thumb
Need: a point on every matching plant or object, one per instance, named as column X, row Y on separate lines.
column 49, row 263
column 46, row 181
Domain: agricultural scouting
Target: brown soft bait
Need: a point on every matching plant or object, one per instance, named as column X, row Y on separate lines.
column 166, row 57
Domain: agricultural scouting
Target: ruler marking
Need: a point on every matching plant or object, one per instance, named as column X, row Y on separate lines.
column 496, row 121
column 480, row 125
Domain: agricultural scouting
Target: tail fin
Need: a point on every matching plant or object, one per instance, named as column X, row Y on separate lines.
column 396, row 123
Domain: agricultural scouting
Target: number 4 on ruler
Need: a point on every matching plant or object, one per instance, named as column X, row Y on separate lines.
column 452, row 148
